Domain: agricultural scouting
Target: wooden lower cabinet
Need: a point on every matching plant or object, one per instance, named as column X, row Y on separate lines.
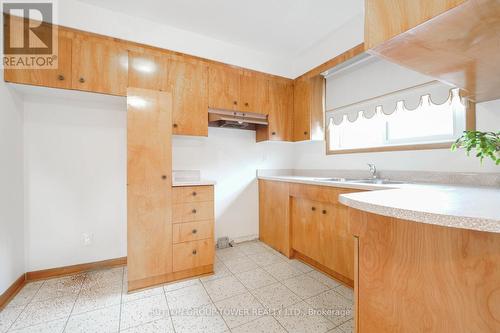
column 308, row 222
column 193, row 254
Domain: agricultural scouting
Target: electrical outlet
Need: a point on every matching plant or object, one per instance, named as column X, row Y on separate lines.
column 87, row 238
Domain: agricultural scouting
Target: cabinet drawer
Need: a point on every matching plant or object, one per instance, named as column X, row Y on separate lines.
column 185, row 194
column 193, row 254
column 325, row 194
column 194, row 211
column 191, row 231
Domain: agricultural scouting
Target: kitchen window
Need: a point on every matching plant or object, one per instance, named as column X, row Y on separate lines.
column 424, row 114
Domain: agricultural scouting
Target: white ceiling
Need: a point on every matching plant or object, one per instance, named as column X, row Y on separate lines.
column 275, row 27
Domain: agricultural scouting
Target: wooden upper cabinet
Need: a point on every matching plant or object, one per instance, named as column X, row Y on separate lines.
column 254, row 93
column 147, row 71
column 385, row 19
column 224, row 88
column 308, row 108
column 189, row 83
column 54, row 78
column 280, row 116
column 99, row 65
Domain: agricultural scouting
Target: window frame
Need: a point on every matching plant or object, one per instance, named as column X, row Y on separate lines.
column 470, row 125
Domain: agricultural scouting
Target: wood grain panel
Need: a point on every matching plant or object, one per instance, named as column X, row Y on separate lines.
column 191, row 231
column 149, row 169
column 186, row 194
column 223, row 88
column 54, row 78
column 459, row 47
column 170, row 277
column 415, row 277
column 193, row 211
column 280, row 116
column 193, row 254
column 318, row 193
column 99, row 65
column 147, row 71
column 301, row 111
column 189, row 82
column 254, row 93
column 305, row 226
column 274, row 222
column 385, row 19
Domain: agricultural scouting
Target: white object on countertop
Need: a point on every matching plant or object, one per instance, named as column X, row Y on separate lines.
column 189, row 178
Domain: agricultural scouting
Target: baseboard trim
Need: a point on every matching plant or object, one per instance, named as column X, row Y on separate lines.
column 12, row 291
column 75, row 269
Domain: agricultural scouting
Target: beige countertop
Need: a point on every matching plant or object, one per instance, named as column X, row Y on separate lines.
column 192, row 183
column 466, row 207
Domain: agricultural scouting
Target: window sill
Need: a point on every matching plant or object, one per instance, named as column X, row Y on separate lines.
column 423, row 146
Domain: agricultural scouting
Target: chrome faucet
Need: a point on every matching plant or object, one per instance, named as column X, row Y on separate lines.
column 373, row 170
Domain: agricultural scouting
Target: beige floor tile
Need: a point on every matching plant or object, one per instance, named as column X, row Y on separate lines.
column 282, row 271
column 220, row 271
column 240, row 309
column 202, row 319
column 265, row 324
column 241, row 264
column 105, row 278
column 229, row 253
column 25, row 295
column 224, row 288
column 181, row 284
column 143, row 311
column 8, row 316
column 265, row 259
column 305, row 286
column 162, row 325
column 304, row 268
column 59, row 287
column 43, row 311
column 276, row 296
column 105, row 320
column 251, row 248
column 335, row 307
column 56, row 326
column 347, row 327
column 299, row 318
column 94, row 299
column 187, row 298
column 318, row 276
column 256, row 278
column 345, row 291
column 135, row 295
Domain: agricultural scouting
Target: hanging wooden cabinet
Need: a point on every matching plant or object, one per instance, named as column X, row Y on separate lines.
column 308, row 109
column 280, row 116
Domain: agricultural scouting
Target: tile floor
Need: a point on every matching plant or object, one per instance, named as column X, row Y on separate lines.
column 254, row 289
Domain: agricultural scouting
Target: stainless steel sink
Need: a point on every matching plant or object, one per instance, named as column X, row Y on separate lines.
column 342, row 180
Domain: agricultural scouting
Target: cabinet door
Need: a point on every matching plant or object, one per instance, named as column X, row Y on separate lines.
column 147, row 71
column 223, row 88
column 189, row 82
column 280, row 111
column 336, row 242
column 306, row 227
column 149, row 170
column 99, row 65
column 301, row 111
column 254, row 93
column 274, row 229
column 54, row 78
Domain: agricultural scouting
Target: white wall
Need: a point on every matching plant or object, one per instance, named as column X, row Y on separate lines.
column 75, row 155
column 12, row 263
column 231, row 158
column 311, row 155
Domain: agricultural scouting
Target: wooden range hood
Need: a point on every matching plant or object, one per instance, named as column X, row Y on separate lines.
column 461, row 47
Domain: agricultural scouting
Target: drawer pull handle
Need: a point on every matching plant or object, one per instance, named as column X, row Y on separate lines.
column 194, row 211
column 194, row 252
column 246, row 104
column 82, row 80
column 235, row 102
column 60, row 77
column 163, row 177
column 324, row 211
column 194, row 194
column 195, row 231
column 305, row 132
column 273, row 133
column 175, row 125
column 313, row 208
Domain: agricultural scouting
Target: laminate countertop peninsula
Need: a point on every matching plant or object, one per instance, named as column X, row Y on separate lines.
column 456, row 206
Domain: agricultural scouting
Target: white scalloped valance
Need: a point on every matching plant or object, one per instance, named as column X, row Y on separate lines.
column 433, row 92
